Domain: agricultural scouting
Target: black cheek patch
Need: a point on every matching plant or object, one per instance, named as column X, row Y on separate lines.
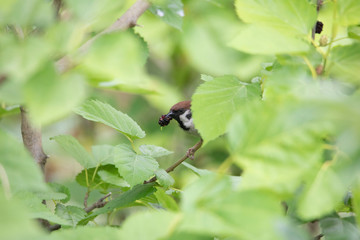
column 189, row 115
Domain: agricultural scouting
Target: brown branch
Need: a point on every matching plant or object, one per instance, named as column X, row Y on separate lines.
column 98, row 204
column 32, row 139
column 190, row 153
column 127, row 20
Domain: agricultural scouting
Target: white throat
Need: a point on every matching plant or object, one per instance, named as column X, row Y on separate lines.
column 188, row 123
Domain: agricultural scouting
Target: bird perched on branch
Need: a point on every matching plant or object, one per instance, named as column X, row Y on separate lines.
column 181, row 112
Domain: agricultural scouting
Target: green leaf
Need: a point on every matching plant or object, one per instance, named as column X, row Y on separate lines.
column 154, row 151
column 155, row 225
column 220, row 98
column 117, row 56
column 205, row 43
column 29, row 55
column 19, row 172
column 170, row 11
column 133, row 167
column 290, row 17
column 356, row 201
column 29, row 13
column 206, row 78
column 197, row 171
column 38, row 209
column 125, row 199
column 103, row 154
column 332, row 180
column 344, row 63
column 164, row 178
column 339, row 228
column 71, row 214
column 166, row 200
column 354, row 32
column 91, row 179
column 49, row 97
column 212, row 207
column 283, row 140
column 112, row 176
column 104, row 113
column 349, row 12
column 72, row 146
column 59, row 188
column 255, row 39
column 13, row 215
column 85, row 233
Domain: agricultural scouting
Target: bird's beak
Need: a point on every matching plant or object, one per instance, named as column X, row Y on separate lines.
column 170, row 114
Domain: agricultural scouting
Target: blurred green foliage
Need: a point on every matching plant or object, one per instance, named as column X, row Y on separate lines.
column 278, row 111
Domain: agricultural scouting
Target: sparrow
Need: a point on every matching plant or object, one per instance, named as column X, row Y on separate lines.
column 181, row 112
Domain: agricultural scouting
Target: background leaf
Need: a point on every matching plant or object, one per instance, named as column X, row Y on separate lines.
column 19, row 170
column 76, row 150
column 169, row 11
column 154, row 151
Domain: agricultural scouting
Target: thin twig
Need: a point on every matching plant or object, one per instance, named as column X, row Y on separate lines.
column 178, row 162
column 98, row 204
column 86, row 198
column 127, row 20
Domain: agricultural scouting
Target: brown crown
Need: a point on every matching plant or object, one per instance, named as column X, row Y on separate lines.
column 181, row 105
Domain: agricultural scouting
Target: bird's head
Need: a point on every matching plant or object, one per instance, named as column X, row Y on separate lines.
column 181, row 112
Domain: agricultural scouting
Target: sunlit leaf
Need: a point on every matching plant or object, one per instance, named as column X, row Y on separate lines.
column 104, row 113
column 291, row 17
column 132, row 167
column 214, row 103
column 344, row 63
column 264, row 40
column 349, row 12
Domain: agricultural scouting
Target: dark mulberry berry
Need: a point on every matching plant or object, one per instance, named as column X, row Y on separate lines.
column 319, row 27
column 164, row 120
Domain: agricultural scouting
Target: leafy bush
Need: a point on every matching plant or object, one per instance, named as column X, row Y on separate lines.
column 280, row 99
